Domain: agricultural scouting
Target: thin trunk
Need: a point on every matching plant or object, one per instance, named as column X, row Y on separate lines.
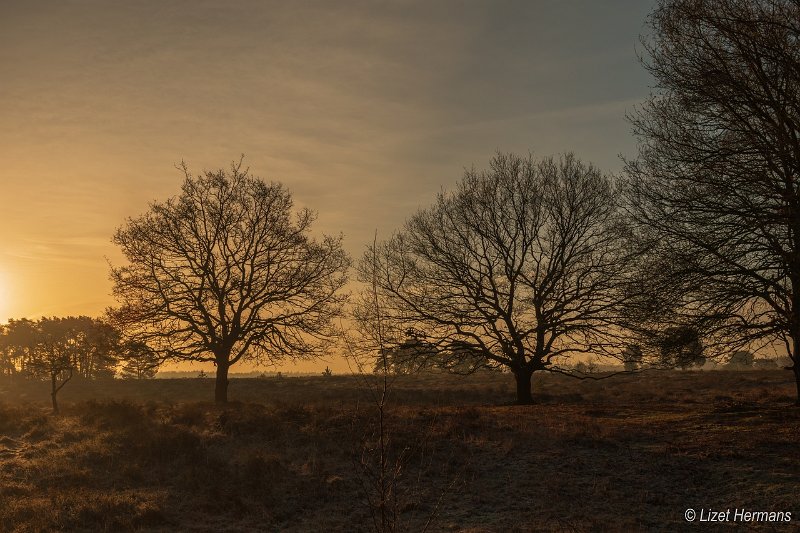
column 795, row 362
column 221, row 386
column 523, row 378
column 53, row 393
column 794, row 333
column 794, row 277
column 796, row 369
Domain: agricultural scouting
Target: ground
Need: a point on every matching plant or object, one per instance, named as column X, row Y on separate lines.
column 631, row 453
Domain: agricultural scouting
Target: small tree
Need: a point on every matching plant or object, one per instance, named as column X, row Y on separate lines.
column 16, row 344
column 227, row 271
column 380, row 463
column 632, row 357
column 53, row 351
column 681, row 347
column 99, row 347
column 413, row 354
column 55, row 354
column 139, row 361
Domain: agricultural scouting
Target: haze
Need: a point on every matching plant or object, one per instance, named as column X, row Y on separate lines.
column 364, row 110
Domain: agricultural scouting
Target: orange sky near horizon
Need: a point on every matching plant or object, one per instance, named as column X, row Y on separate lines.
column 364, row 110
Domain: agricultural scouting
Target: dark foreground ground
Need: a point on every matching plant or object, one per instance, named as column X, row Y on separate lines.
column 628, row 454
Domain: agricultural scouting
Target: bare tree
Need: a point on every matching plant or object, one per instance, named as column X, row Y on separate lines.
column 523, row 265
column 716, row 186
column 227, row 271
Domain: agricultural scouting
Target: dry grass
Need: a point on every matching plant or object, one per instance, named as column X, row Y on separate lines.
column 627, row 454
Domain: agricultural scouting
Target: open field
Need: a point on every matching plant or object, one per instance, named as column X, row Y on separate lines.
column 626, row 454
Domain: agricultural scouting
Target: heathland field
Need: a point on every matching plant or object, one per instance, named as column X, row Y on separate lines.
column 631, row 453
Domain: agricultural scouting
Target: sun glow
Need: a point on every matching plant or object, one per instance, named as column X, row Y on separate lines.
column 5, row 297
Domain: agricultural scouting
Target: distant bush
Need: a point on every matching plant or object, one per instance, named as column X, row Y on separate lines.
column 765, row 364
column 632, row 358
column 681, row 347
column 741, row 360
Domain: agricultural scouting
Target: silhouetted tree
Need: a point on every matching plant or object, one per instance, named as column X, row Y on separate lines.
column 226, row 271
column 716, row 185
column 139, row 361
column 99, row 346
column 58, row 349
column 521, row 265
column 55, row 348
column 412, row 355
column 16, row 340
column 55, row 352
column 681, row 347
column 632, row 357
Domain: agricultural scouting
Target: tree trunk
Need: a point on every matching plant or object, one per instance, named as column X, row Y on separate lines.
column 795, row 365
column 221, row 386
column 796, row 369
column 523, row 377
column 794, row 332
column 53, row 393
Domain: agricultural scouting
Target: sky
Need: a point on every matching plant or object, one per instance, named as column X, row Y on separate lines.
column 364, row 110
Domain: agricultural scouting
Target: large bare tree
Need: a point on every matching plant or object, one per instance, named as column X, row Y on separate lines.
column 716, row 186
column 228, row 271
column 519, row 267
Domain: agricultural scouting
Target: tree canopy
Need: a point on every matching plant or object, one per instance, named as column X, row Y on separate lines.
column 57, row 349
column 523, row 264
column 716, row 184
column 228, row 270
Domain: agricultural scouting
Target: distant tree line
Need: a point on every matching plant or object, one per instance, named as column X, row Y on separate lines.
column 60, row 349
column 414, row 354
